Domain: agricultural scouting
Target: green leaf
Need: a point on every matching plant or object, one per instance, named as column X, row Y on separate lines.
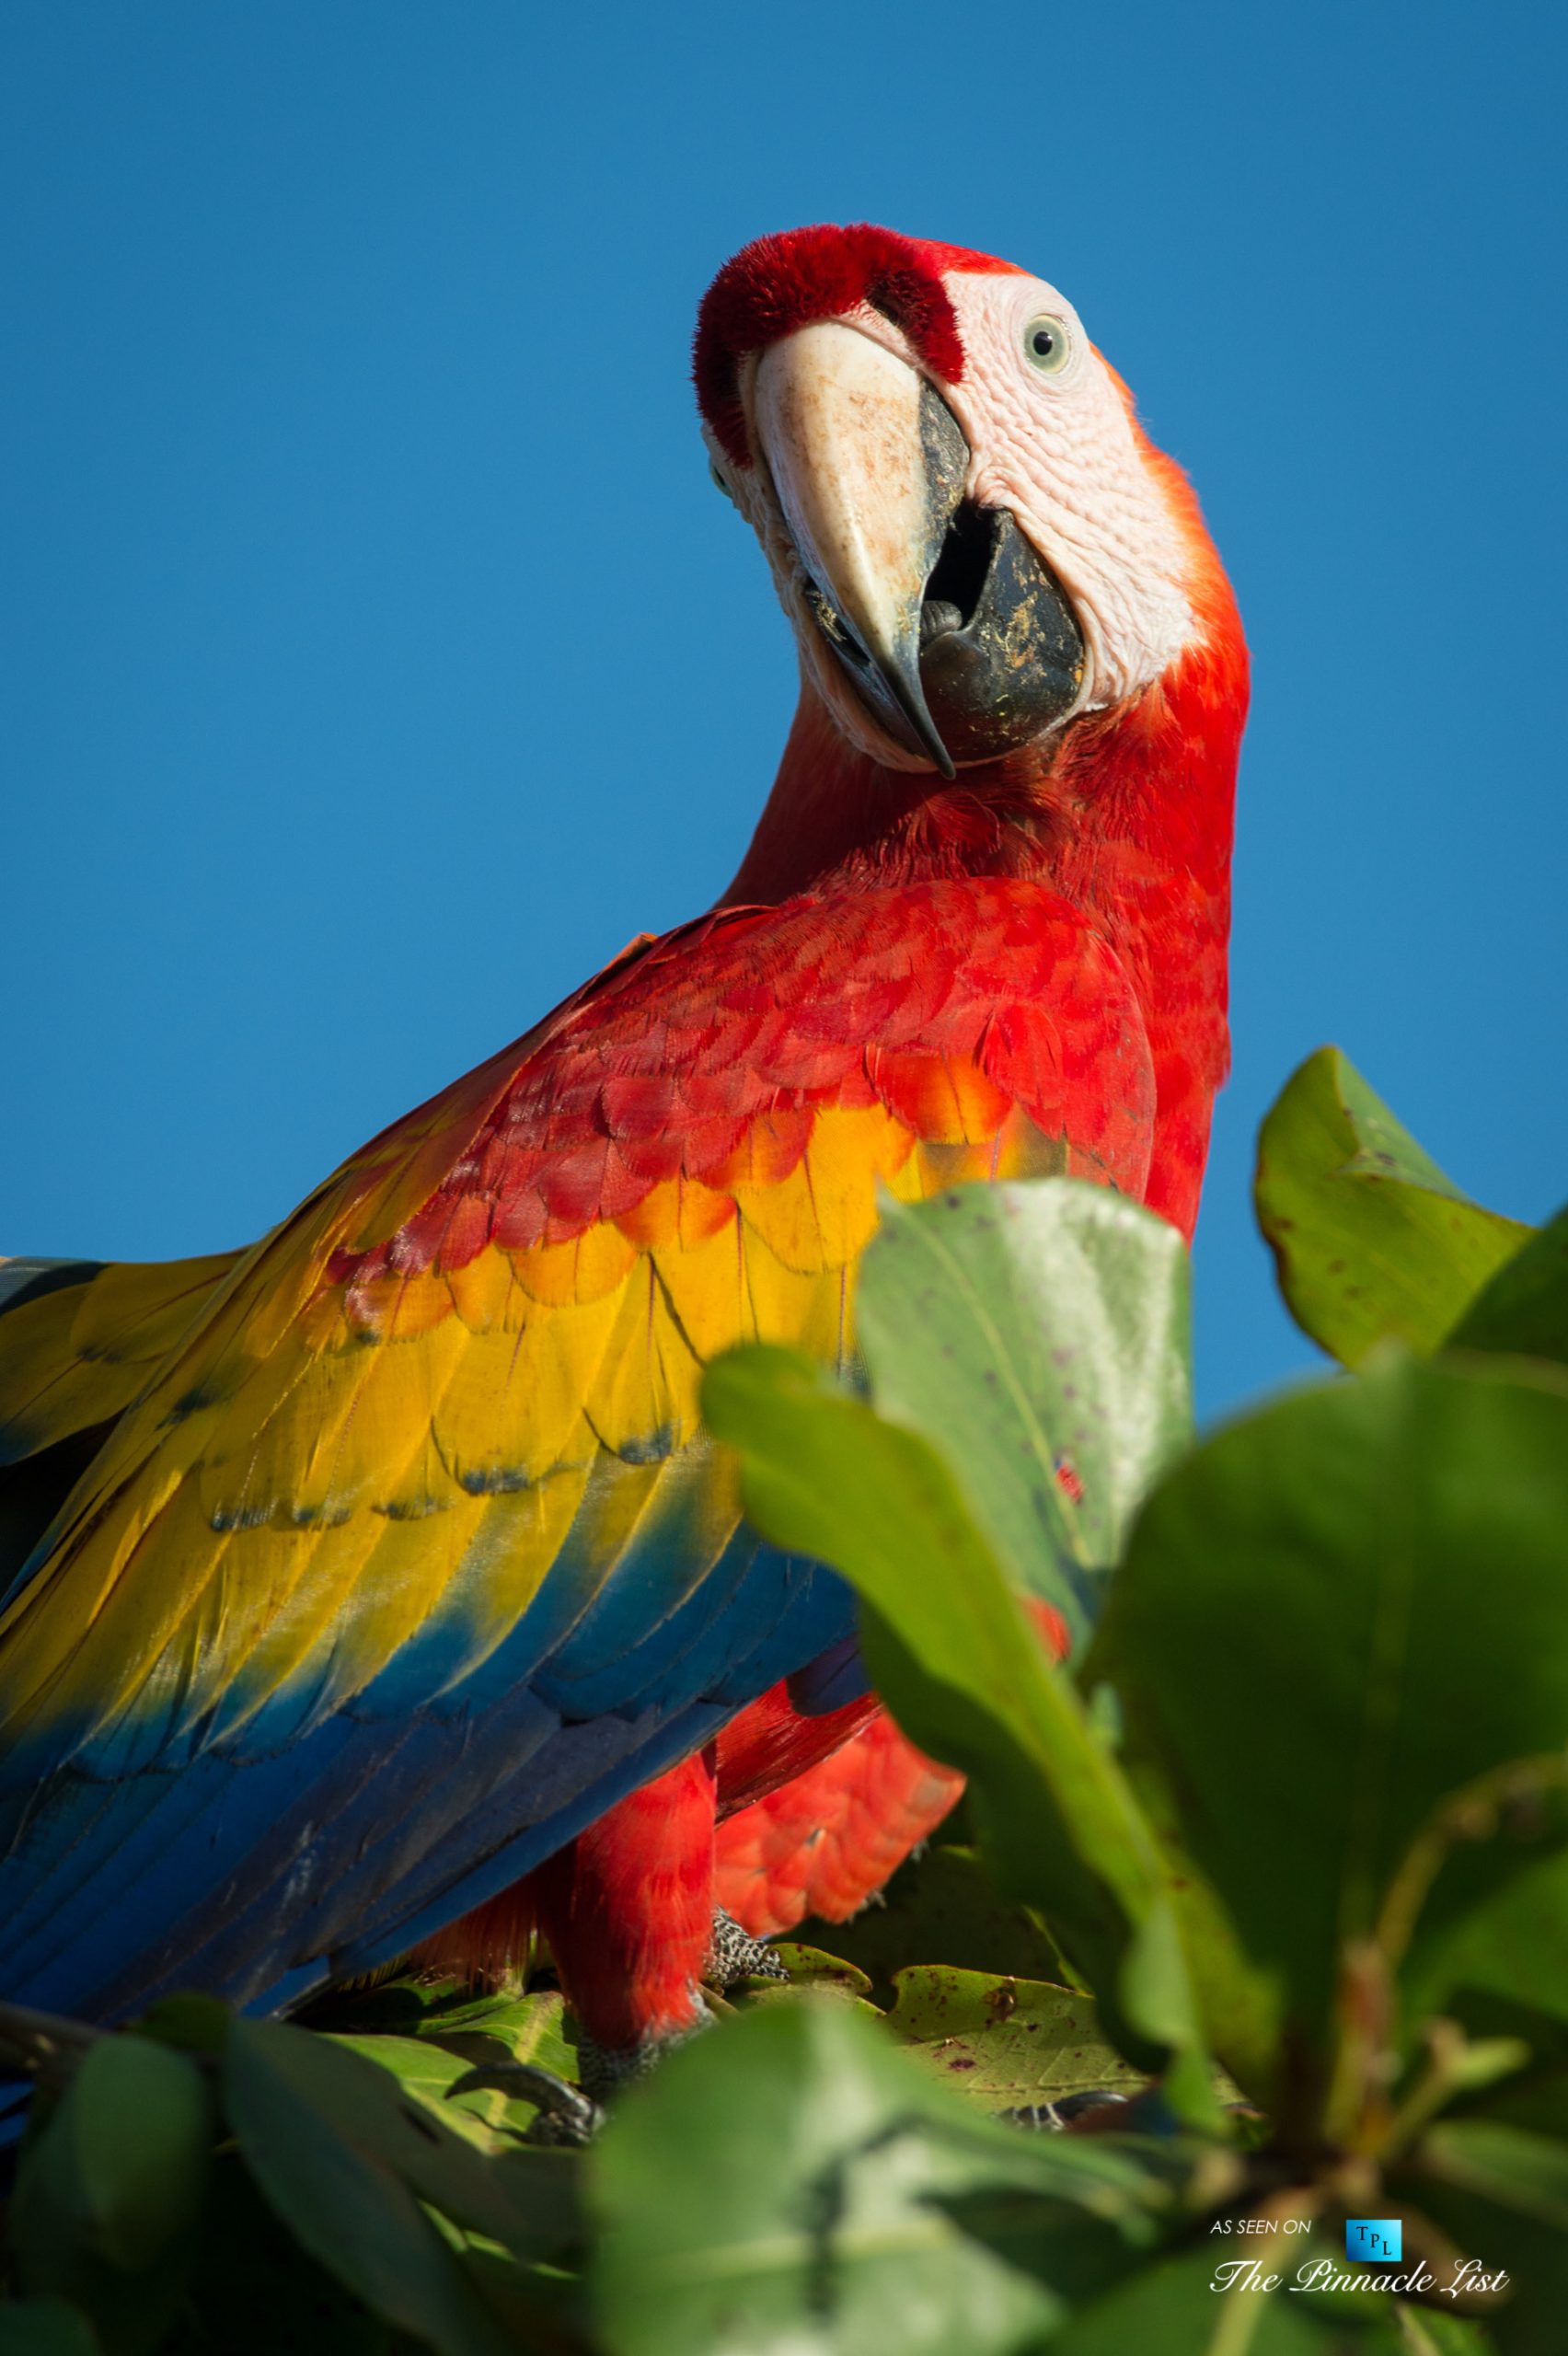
column 944, row 1906
column 528, row 2027
column 1034, row 1333
column 132, row 2133
column 345, row 2157
column 1521, row 2171
column 427, row 2071
column 1426, row 2331
column 1523, row 1309
column 790, row 2183
column 949, row 1651
column 445, row 2047
column 419, row 2005
column 1172, row 2309
column 525, row 2199
column 1331, row 1617
column 1371, row 1240
column 1495, row 1965
column 45, row 2328
column 191, row 2024
column 813, row 1973
column 1502, row 2194
column 1005, row 2044
column 538, row 2308
column 1501, row 1902
column 108, row 2193
column 1239, row 2004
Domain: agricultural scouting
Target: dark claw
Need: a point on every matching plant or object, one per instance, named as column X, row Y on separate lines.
column 566, row 2115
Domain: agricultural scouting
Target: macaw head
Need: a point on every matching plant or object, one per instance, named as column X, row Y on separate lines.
column 971, row 537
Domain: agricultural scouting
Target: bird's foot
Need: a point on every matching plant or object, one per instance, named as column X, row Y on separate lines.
column 1067, row 2110
column 733, row 1955
column 573, row 2114
column 563, row 2114
column 568, row 2115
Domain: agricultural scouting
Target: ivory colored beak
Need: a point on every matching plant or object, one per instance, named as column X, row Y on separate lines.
column 869, row 465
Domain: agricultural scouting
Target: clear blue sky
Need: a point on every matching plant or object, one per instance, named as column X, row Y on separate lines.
column 377, row 657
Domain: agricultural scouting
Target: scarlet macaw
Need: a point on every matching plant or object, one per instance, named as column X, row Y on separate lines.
column 395, row 1565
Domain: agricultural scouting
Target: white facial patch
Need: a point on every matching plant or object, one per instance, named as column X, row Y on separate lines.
column 1059, row 451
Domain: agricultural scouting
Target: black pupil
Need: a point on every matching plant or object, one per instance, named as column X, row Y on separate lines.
column 1044, row 344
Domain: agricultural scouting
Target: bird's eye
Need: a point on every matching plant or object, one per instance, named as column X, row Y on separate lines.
column 1045, row 344
column 718, row 482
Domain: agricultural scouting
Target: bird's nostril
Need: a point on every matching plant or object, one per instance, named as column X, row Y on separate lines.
column 936, row 618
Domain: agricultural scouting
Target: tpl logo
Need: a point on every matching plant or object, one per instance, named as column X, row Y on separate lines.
column 1376, row 2241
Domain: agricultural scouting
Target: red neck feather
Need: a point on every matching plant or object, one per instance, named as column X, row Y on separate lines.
column 1127, row 815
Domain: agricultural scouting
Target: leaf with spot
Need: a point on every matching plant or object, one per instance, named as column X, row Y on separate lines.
column 1005, row 2044
column 1036, row 1335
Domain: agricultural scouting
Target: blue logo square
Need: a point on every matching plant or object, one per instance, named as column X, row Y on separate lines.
column 1376, row 2241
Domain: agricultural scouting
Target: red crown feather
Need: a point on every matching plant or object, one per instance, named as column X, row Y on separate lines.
column 778, row 283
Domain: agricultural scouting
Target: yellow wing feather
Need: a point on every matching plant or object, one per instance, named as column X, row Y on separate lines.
column 78, row 1355
column 312, row 1474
